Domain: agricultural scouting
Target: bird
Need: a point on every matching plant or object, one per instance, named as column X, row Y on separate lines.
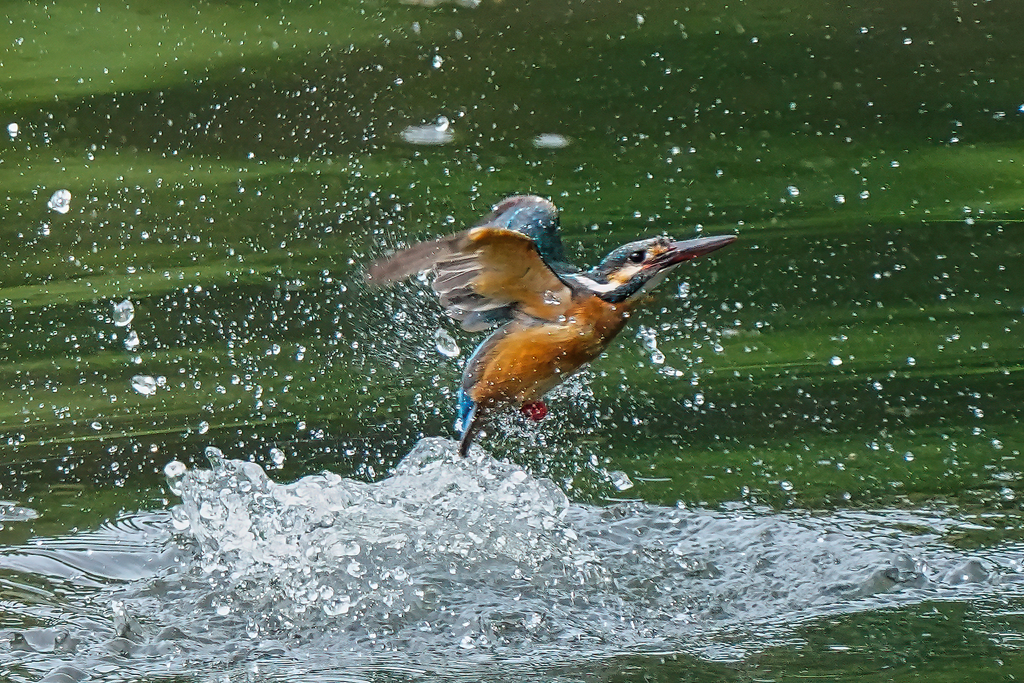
column 509, row 269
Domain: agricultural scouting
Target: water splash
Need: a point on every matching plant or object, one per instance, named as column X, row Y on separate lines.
column 437, row 133
column 474, row 562
column 60, row 201
column 381, row 555
column 649, row 336
column 453, row 554
column 123, row 312
column 446, row 344
column 144, row 384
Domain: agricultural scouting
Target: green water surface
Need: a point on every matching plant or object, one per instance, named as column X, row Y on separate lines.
column 233, row 166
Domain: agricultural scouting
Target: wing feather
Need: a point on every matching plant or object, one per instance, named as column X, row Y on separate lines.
column 453, row 279
column 412, row 260
column 484, row 274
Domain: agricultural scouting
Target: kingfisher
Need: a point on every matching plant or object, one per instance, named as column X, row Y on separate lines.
column 509, row 269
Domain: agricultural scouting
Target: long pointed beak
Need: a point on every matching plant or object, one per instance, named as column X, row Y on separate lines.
column 691, row 249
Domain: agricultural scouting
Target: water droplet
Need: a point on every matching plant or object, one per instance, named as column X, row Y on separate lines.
column 60, row 201
column 179, row 517
column 204, row 427
column 835, row 361
column 213, row 454
column 793, row 191
column 131, row 341
column 13, row 130
column 438, row 61
column 620, row 480
column 650, row 339
column 439, row 133
column 840, row 198
column 911, row 360
column 144, row 384
column 124, row 312
column 347, row 549
column 551, row 141
column 277, row 457
column 175, row 471
column 786, row 486
column 337, row 607
column 252, row 629
column 445, row 343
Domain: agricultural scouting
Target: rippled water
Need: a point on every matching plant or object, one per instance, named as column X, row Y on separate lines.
column 470, row 566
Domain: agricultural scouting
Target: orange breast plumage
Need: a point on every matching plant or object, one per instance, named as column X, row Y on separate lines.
column 528, row 359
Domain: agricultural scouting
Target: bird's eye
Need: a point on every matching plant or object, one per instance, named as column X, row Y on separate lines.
column 637, row 256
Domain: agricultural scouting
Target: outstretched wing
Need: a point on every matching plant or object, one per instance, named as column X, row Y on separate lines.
column 484, row 274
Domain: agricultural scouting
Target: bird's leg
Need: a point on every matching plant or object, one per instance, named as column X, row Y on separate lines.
column 535, row 410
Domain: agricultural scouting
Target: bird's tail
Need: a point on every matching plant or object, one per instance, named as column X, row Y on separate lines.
column 468, row 423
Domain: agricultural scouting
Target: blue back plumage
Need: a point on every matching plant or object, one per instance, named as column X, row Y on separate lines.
column 537, row 218
column 540, row 225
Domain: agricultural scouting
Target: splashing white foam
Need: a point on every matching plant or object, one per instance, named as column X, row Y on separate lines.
column 451, row 554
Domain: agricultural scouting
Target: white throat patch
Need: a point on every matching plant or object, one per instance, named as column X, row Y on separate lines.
column 592, row 285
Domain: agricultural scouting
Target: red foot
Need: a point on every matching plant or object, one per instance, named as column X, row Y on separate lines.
column 535, row 410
